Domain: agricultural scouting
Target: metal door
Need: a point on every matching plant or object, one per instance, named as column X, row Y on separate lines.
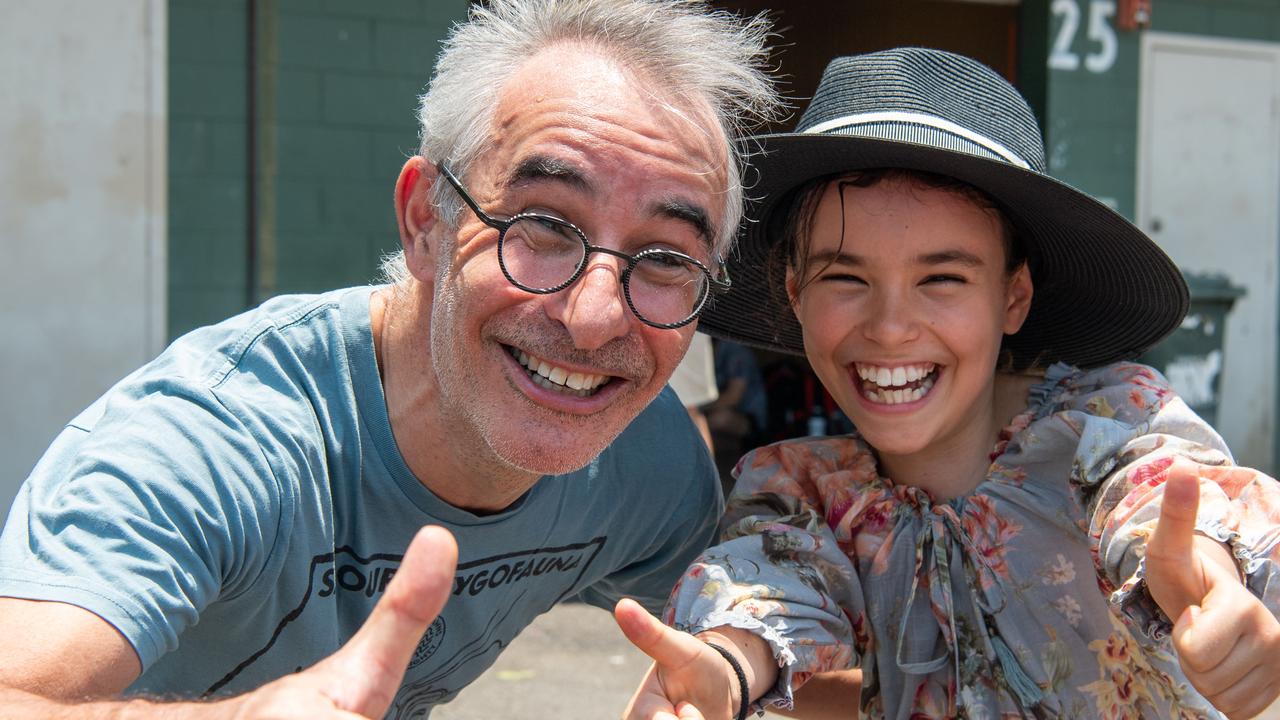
column 1208, row 190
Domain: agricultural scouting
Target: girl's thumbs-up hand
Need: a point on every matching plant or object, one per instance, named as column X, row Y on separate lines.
column 1227, row 641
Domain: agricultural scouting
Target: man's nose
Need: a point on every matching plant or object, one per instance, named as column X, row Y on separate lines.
column 593, row 308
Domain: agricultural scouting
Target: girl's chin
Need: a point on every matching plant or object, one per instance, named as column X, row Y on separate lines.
column 890, row 440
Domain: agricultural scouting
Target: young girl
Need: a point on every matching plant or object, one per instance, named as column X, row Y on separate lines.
column 1026, row 523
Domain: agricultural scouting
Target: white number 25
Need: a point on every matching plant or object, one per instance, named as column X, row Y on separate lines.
column 1100, row 31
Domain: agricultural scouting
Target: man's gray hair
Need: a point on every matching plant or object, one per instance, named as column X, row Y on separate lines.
column 700, row 53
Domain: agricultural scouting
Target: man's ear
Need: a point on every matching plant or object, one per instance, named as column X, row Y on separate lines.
column 416, row 216
column 1018, row 299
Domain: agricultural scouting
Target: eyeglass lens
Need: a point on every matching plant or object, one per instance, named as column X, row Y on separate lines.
column 543, row 255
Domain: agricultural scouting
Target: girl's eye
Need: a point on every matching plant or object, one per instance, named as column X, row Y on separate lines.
column 944, row 280
column 841, row 278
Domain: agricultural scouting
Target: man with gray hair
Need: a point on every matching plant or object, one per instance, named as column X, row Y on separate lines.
column 230, row 522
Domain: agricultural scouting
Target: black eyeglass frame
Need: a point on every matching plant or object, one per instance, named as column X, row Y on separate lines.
column 714, row 285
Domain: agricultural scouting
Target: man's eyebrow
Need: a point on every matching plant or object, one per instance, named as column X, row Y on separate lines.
column 690, row 213
column 545, row 167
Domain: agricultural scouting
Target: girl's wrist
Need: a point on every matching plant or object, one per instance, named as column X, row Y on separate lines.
column 739, row 689
column 752, row 653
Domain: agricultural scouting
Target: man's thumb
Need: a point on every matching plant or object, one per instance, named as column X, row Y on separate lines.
column 377, row 655
column 666, row 646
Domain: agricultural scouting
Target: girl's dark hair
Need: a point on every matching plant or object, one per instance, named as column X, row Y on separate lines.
column 798, row 212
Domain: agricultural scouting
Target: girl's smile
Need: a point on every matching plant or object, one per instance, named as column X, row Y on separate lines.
column 889, row 385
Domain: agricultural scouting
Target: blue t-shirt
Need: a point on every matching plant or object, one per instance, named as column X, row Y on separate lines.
column 237, row 506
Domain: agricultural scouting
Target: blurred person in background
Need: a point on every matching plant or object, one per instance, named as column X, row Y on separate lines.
column 694, row 382
column 740, row 414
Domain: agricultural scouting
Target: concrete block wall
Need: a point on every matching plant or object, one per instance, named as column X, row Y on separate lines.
column 207, row 161
column 336, row 89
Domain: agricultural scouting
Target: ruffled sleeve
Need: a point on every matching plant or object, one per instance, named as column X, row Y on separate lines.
column 780, row 571
column 1130, row 425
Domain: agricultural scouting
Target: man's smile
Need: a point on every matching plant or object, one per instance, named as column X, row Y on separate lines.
column 554, row 377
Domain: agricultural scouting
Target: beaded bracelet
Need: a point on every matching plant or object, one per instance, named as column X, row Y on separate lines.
column 743, row 691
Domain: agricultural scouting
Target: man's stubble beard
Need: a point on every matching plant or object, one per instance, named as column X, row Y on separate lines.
column 493, row 445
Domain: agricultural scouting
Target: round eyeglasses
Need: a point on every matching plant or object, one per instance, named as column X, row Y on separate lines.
column 543, row 254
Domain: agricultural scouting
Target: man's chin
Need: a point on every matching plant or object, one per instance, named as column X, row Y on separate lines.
column 550, row 466
column 550, row 459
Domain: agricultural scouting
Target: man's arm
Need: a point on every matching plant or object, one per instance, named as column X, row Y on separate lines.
column 59, row 661
column 62, row 652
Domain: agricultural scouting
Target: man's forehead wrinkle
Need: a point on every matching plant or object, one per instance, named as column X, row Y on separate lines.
column 555, row 134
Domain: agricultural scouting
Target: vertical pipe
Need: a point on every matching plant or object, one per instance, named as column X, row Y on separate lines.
column 251, row 159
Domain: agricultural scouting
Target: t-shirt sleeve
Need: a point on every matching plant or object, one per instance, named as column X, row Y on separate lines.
column 145, row 509
column 779, row 571
column 1132, row 427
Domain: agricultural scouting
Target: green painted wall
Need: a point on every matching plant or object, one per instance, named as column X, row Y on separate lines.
column 336, row 89
column 1239, row 19
column 207, row 161
column 1091, row 102
column 1091, row 110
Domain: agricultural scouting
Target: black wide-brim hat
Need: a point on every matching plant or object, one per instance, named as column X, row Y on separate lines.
column 1104, row 291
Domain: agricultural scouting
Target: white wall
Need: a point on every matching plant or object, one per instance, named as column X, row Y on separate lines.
column 82, row 210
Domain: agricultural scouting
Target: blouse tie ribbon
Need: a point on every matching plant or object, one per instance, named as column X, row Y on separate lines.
column 942, row 537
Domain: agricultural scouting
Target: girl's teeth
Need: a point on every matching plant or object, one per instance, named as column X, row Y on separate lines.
column 886, row 396
column 894, row 377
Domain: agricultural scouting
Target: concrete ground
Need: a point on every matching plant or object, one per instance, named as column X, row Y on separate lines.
column 570, row 664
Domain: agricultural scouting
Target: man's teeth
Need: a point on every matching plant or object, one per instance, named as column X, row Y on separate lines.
column 557, row 378
column 896, row 385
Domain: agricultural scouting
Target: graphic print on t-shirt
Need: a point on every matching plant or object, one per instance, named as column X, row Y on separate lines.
column 493, row 598
column 523, row 580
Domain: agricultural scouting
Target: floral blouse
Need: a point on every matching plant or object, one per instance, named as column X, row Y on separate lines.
column 1023, row 598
